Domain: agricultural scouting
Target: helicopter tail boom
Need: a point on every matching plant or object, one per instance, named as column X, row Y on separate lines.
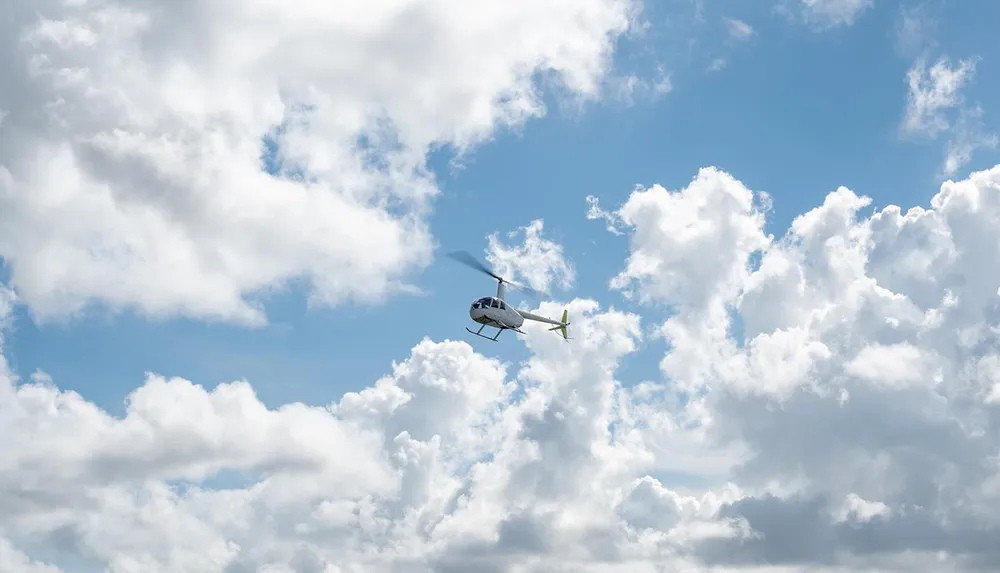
column 560, row 325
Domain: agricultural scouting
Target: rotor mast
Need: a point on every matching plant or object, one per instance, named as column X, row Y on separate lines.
column 468, row 260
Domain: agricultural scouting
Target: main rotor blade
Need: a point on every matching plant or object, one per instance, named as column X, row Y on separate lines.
column 467, row 259
column 527, row 289
column 470, row 261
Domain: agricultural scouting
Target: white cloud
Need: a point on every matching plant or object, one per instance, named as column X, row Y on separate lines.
column 427, row 466
column 626, row 89
column 970, row 135
column 826, row 14
column 932, row 92
column 738, row 29
column 595, row 212
column 935, row 106
column 130, row 149
column 860, row 510
column 915, row 29
column 716, row 65
column 675, row 252
column 895, row 364
column 852, row 429
column 537, row 261
column 8, row 298
column 15, row 561
column 737, row 32
column 862, row 336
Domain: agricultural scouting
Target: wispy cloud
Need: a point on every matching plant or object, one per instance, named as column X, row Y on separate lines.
column 932, row 92
column 824, row 14
column 970, row 135
column 936, row 106
column 738, row 29
column 596, row 212
column 915, row 30
column 627, row 88
column 716, row 64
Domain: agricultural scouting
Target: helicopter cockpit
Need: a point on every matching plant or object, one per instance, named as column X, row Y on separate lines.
column 490, row 302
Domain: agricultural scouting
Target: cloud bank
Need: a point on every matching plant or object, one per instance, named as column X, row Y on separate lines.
column 852, row 424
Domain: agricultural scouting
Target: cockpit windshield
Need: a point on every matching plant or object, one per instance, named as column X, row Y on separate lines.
column 490, row 302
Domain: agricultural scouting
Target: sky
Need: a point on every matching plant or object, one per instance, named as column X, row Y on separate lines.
column 231, row 342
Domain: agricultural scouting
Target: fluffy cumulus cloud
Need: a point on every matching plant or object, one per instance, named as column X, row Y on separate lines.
column 830, row 401
column 448, row 463
column 536, row 260
column 190, row 158
column 860, row 387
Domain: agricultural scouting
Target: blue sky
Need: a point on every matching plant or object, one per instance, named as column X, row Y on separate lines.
column 795, row 112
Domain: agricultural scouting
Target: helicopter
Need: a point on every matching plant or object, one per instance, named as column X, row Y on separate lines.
column 495, row 312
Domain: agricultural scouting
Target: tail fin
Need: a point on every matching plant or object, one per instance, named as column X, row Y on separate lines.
column 562, row 327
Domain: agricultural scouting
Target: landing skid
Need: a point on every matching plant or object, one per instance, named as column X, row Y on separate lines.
column 477, row 333
column 494, row 337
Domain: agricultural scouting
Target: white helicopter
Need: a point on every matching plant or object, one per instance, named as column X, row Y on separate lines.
column 495, row 312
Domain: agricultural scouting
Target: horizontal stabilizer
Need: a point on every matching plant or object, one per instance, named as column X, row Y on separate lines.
column 562, row 327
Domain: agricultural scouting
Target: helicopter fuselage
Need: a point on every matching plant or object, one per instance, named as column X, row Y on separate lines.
column 495, row 312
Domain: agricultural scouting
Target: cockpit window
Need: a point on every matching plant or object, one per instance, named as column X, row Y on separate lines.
column 494, row 303
column 503, row 305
